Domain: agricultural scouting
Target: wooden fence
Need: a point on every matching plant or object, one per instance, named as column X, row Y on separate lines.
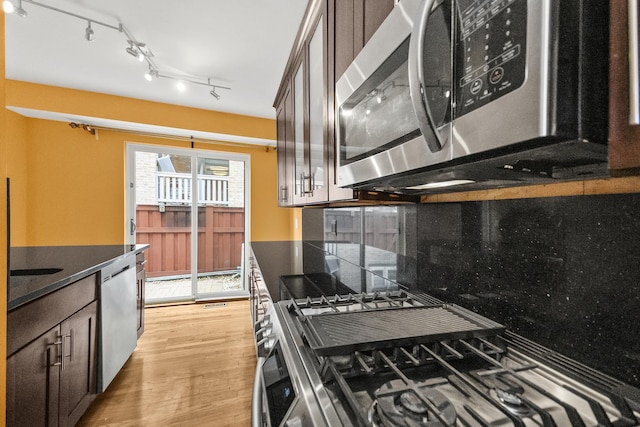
column 220, row 238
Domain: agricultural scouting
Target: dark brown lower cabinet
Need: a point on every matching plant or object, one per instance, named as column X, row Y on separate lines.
column 52, row 380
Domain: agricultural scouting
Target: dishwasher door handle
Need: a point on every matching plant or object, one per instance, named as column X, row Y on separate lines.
column 121, row 271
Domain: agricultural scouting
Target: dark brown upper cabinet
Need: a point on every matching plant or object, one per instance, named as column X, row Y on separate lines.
column 301, row 111
column 355, row 23
column 331, row 34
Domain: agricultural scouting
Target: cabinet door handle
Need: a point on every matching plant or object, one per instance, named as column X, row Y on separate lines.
column 306, row 184
column 72, row 345
column 67, row 341
column 283, row 193
column 60, row 359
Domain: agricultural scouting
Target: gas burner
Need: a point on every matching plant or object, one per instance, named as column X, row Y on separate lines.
column 400, row 404
column 342, row 360
column 512, row 402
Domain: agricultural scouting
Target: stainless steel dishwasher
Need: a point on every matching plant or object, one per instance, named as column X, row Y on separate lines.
column 118, row 320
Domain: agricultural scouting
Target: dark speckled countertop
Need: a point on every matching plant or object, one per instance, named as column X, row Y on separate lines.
column 75, row 263
column 296, row 269
column 275, row 259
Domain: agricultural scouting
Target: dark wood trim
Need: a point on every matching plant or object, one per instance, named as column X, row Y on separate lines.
column 624, row 139
column 306, row 27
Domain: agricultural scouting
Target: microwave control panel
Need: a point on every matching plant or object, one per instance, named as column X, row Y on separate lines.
column 490, row 48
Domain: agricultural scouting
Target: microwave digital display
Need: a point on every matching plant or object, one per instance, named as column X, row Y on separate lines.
column 490, row 51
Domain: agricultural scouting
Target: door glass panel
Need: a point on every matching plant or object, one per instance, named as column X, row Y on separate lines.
column 179, row 267
column 316, row 111
column 379, row 113
column 298, row 131
column 163, row 220
column 221, row 213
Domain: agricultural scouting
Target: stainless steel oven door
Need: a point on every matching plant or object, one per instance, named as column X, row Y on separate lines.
column 284, row 393
column 378, row 133
column 274, row 394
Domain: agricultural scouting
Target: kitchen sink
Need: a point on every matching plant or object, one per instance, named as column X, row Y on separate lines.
column 35, row 271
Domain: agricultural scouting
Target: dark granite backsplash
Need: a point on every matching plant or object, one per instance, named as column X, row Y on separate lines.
column 561, row 271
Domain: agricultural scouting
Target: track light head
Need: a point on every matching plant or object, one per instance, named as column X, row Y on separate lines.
column 135, row 51
column 151, row 75
column 9, row 7
column 214, row 94
column 131, row 51
column 88, row 32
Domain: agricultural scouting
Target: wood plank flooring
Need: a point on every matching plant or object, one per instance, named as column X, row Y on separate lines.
column 194, row 366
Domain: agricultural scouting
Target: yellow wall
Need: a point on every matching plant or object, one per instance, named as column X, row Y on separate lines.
column 16, row 133
column 50, row 98
column 3, row 233
column 68, row 187
column 70, row 184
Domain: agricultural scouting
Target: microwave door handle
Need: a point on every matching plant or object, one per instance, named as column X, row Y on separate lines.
column 416, row 78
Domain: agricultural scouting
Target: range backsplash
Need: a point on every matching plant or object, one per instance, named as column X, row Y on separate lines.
column 562, row 271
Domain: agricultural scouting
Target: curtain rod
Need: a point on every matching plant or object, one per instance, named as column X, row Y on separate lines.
column 93, row 131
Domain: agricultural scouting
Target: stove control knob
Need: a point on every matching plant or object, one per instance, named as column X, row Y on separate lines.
column 264, row 331
column 265, row 320
column 266, row 344
column 294, row 422
column 269, row 343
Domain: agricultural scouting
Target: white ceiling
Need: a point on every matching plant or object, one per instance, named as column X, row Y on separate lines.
column 241, row 44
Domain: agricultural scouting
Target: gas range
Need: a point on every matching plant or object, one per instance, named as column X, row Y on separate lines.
column 401, row 359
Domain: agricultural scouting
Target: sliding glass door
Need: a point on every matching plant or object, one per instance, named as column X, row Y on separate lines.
column 196, row 242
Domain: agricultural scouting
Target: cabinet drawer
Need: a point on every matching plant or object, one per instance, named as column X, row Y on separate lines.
column 26, row 323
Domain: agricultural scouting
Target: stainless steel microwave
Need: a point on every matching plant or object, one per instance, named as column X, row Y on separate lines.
column 477, row 93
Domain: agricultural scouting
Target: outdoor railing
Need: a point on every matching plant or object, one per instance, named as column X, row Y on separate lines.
column 176, row 188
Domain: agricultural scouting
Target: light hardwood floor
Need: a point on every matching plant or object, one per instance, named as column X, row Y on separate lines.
column 194, row 366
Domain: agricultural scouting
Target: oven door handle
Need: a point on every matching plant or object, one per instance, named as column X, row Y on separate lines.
column 416, row 78
column 256, row 399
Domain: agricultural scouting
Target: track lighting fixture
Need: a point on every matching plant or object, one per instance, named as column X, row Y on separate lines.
column 9, row 7
column 137, row 49
column 88, row 32
column 213, row 92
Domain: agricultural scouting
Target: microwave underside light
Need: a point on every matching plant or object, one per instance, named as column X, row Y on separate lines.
column 441, row 184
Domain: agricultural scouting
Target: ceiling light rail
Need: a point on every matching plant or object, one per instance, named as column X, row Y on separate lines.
column 7, row 4
column 136, row 48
